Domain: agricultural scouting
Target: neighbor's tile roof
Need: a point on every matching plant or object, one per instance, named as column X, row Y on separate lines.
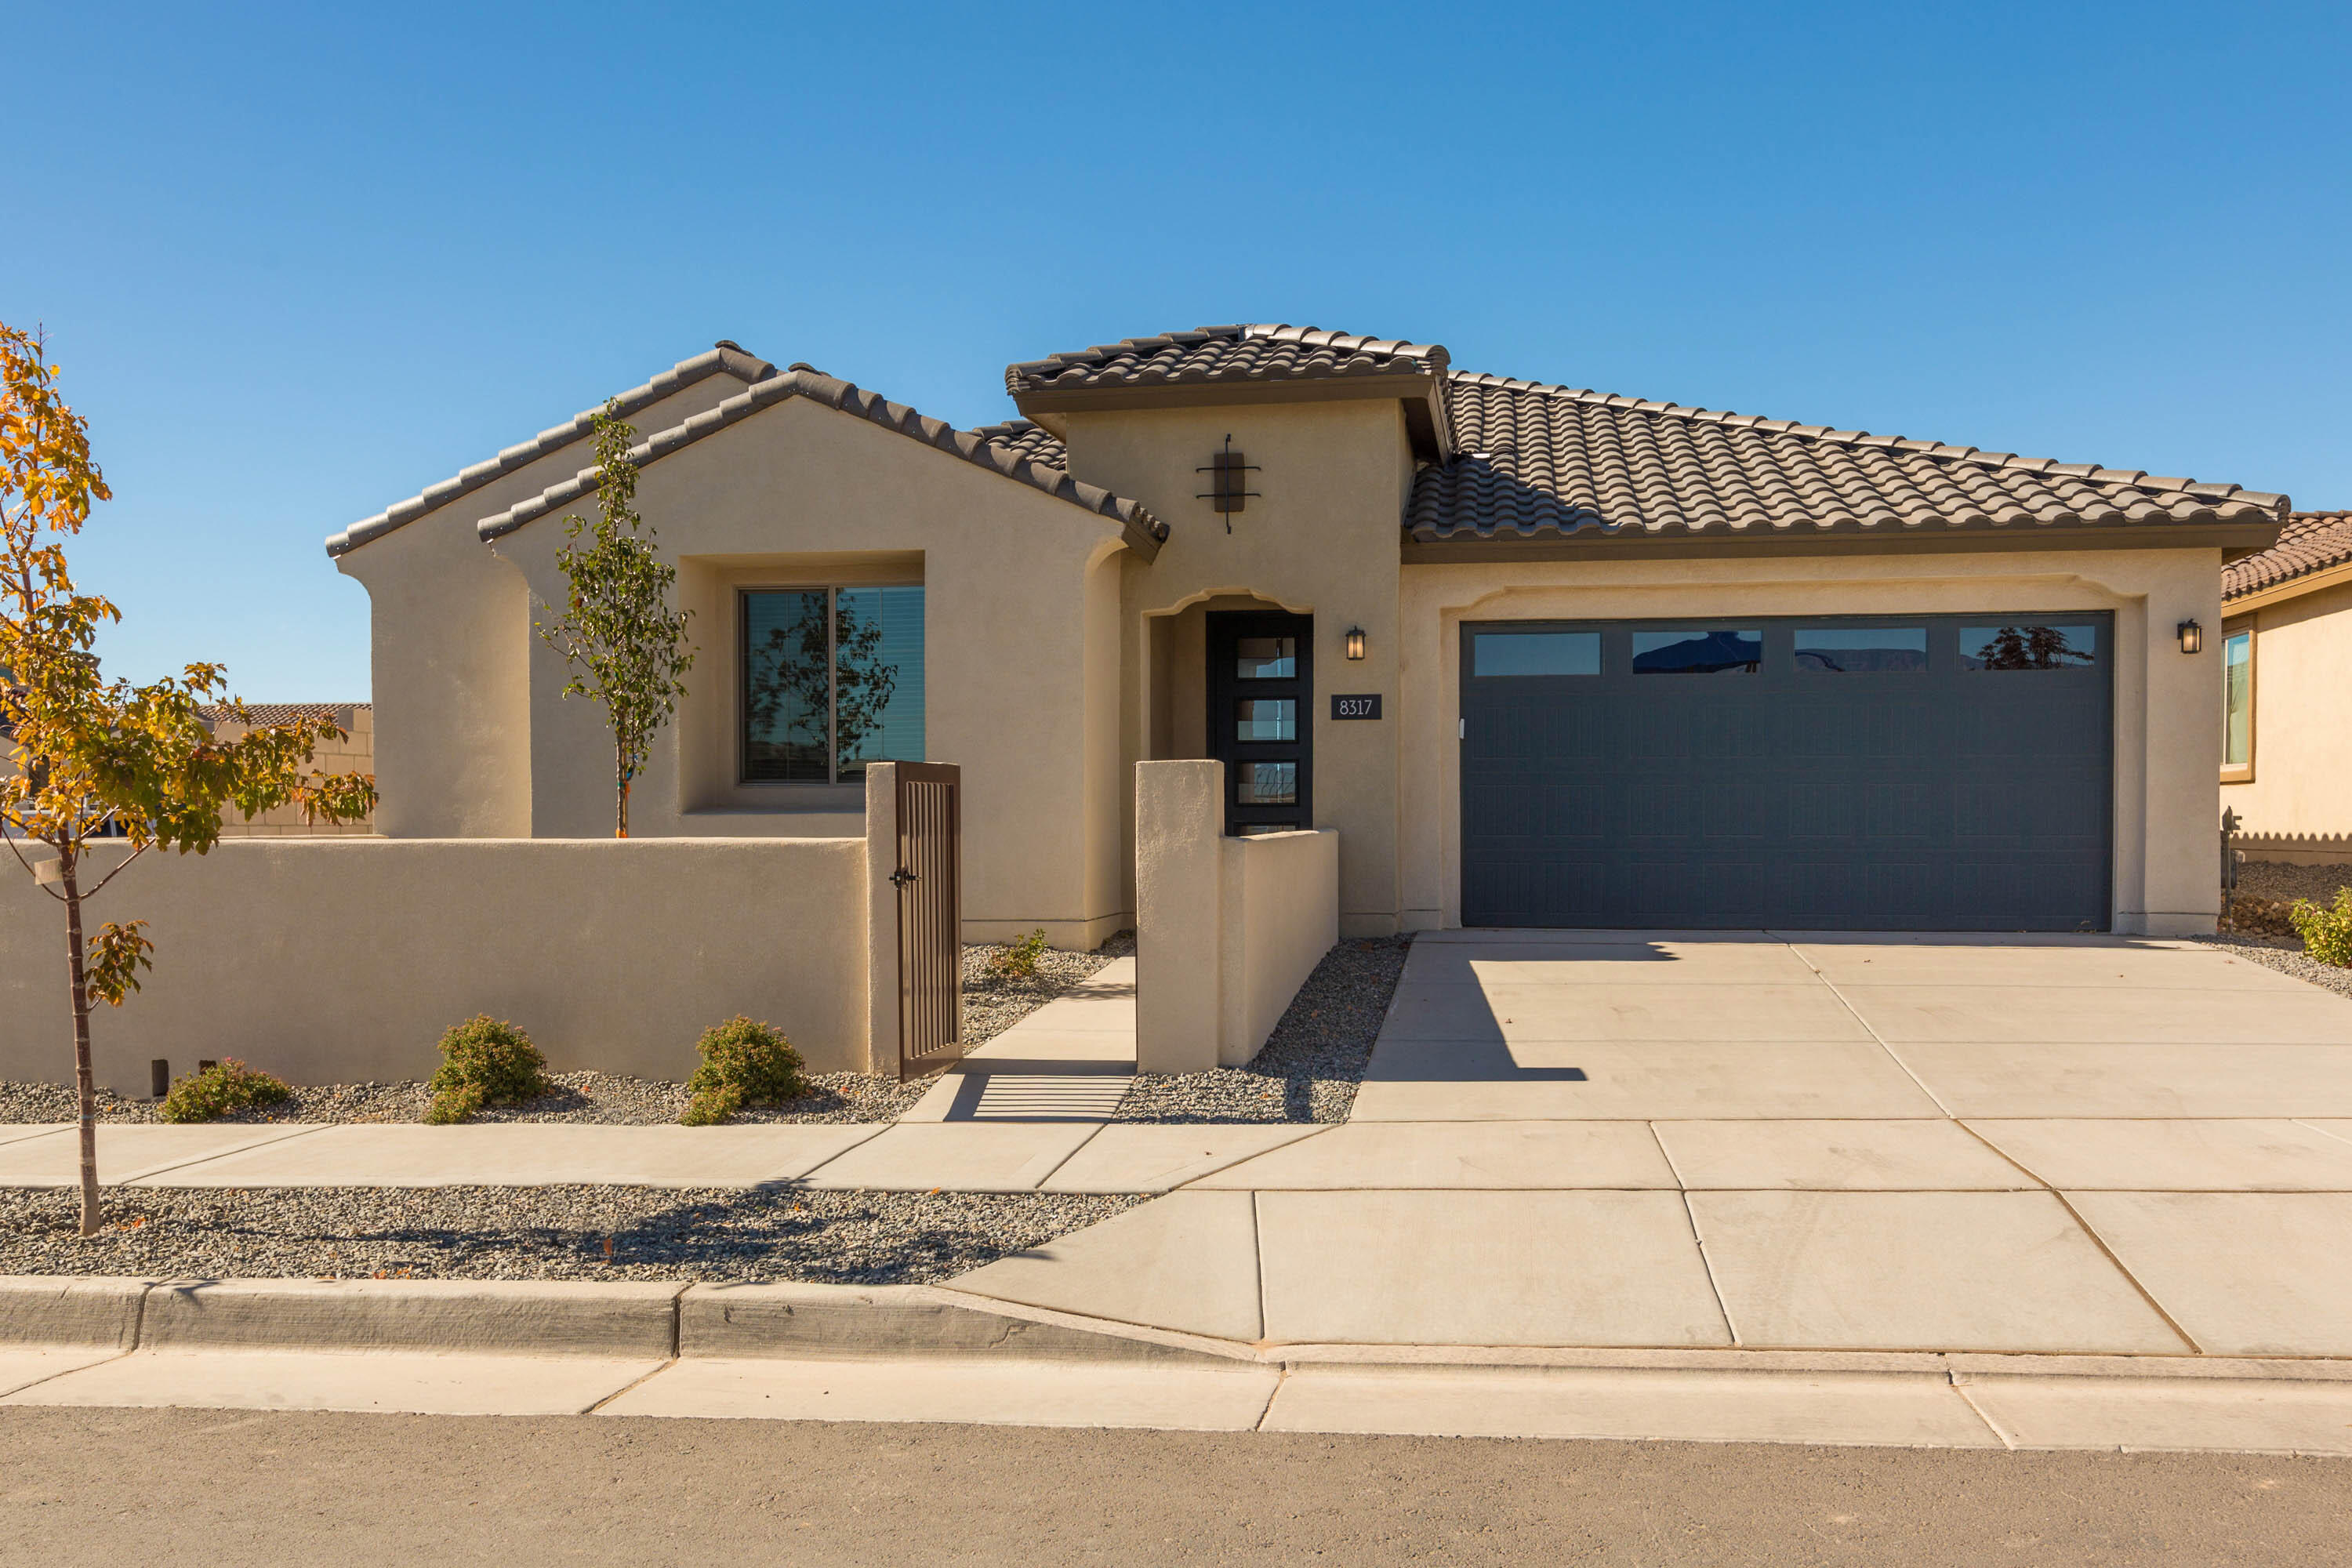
column 1145, row 531
column 1537, row 460
column 2311, row 541
column 1032, row 441
column 724, row 355
column 258, row 714
column 1212, row 355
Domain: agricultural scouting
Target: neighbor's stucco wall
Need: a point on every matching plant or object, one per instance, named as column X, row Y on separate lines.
column 2166, row 703
column 343, row 959
column 1319, row 538
column 449, row 640
column 1014, row 595
column 2298, row 805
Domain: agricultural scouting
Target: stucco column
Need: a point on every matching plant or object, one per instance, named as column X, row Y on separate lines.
column 881, row 916
column 1179, row 910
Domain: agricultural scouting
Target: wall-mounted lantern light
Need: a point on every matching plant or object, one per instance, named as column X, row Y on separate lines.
column 2191, row 636
column 1354, row 642
column 1228, row 489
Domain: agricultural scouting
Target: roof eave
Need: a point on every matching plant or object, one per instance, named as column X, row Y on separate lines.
column 2234, row 539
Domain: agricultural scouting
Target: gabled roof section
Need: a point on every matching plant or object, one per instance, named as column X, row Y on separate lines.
column 1032, row 441
column 1539, row 461
column 2311, row 541
column 1144, row 532
column 1206, row 355
column 725, row 357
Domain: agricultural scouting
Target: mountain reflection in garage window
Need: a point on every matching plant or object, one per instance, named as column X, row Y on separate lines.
column 1861, row 650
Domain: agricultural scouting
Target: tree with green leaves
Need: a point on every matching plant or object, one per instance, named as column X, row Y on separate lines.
column 627, row 646
column 98, row 772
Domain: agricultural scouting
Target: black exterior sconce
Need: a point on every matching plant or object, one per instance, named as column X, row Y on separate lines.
column 1354, row 642
column 2191, row 636
column 1227, row 488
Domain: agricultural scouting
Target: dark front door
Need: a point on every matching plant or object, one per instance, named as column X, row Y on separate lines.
column 1927, row 773
column 1261, row 723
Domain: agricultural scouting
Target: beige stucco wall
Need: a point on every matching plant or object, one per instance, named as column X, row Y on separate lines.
column 1320, row 538
column 2166, row 703
column 342, row 959
column 1017, row 665
column 449, row 634
column 2298, row 805
column 1227, row 929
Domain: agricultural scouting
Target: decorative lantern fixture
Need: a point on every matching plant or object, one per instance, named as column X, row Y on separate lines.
column 1227, row 488
column 2191, row 636
column 1354, row 642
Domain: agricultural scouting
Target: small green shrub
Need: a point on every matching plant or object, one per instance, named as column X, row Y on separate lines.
column 485, row 1061
column 1019, row 961
column 2326, row 931
column 743, row 1063
column 224, row 1087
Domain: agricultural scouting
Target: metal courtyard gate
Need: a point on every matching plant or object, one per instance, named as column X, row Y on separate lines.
column 929, row 879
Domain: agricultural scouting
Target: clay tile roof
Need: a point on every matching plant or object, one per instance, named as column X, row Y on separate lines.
column 1029, row 440
column 729, row 357
column 1538, row 459
column 2311, row 541
column 1145, row 533
column 1260, row 352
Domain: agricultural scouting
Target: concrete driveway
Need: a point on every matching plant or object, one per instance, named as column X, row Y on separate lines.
column 2078, row 1146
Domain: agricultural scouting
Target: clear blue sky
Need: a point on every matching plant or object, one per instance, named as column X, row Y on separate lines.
column 301, row 263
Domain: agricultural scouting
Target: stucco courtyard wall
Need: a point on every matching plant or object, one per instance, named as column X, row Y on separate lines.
column 2298, row 805
column 342, row 960
column 2168, row 704
column 1226, row 929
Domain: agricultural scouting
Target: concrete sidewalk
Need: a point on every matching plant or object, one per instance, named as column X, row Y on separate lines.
column 830, row 1352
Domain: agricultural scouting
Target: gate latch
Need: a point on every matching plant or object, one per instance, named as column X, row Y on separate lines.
column 901, row 877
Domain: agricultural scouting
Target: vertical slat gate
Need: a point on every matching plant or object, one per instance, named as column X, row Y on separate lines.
column 929, row 879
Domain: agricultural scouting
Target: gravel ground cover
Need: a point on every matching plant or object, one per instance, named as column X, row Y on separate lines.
column 992, row 1004
column 2286, row 956
column 1312, row 1062
column 537, row 1233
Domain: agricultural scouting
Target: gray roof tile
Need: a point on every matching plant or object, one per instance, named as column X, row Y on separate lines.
column 1031, row 440
column 1538, row 459
column 724, row 355
column 999, row 454
column 2311, row 541
column 1209, row 355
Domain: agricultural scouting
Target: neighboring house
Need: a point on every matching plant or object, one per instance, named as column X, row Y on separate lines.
column 355, row 753
column 2286, row 651
column 1436, row 611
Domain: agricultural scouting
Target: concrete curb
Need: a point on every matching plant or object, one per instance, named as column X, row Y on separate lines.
column 816, row 1322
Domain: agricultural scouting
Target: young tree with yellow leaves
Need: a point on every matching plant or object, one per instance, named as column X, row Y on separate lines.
column 90, row 761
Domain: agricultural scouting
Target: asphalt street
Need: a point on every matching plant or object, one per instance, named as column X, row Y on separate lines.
column 225, row 1489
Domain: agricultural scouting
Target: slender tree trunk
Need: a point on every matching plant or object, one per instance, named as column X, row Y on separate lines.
column 620, row 777
column 85, row 1087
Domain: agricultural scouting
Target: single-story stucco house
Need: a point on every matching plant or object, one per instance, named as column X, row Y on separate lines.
column 1542, row 657
column 2286, row 652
